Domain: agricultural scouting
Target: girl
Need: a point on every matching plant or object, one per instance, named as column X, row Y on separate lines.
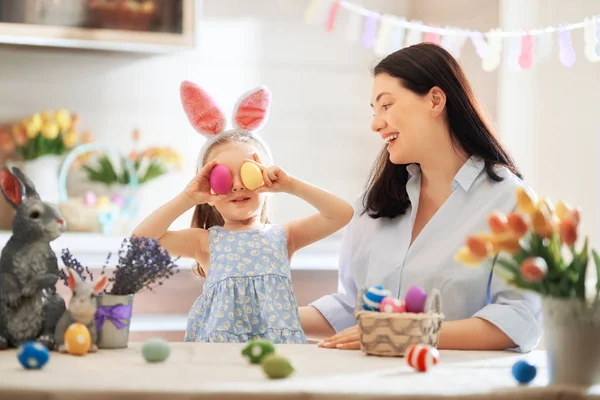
column 441, row 172
column 246, row 260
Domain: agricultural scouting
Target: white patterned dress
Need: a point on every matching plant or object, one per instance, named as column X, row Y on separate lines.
column 248, row 291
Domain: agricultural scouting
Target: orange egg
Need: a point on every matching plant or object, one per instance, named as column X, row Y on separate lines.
column 77, row 339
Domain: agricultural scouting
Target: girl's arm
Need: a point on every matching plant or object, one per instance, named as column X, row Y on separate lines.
column 187, row 243
column 334, row 213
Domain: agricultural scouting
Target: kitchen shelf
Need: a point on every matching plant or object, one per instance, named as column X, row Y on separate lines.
column 91, row 249
column 32, row 34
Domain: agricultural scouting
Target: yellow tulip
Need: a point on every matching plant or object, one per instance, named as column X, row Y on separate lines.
column 46, row 115
column 36, row 120
column 524, row 202
column 542, row 225
column 562, row 210
column 547, row 204
column 69, row 139
column 50, row 130
column 19, row 134
column 32, row 129
column 63, row 119
column 464, row 256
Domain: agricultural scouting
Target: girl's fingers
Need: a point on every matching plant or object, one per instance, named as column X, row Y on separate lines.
column 355, row 345
column 267, row 179
column 259, row 165
column 206, row 170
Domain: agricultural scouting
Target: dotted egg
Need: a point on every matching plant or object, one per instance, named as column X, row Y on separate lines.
column 251, row 176
column 422, row 357
column 392, row 305
column 373, row 297
column 77, row 339
column 33, row 355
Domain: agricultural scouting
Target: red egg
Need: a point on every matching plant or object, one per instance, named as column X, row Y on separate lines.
column 422, row 357
column 220, row 179
column 392, row 305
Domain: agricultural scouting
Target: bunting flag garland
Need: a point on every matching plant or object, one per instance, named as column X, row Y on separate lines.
column 519, row 50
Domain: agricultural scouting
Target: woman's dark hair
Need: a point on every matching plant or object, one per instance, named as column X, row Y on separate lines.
column 420, row 68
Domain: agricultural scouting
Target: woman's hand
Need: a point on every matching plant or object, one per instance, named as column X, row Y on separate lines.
column 348, row 339
column 198, row 190
column 275, row 178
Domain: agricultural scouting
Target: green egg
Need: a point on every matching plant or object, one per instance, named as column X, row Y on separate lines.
column 277, row 367
column 155, row 350
column 256, row 350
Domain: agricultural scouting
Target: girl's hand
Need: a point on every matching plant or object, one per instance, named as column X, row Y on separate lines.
column 275, row 179
column 198, row 190
column 348, row 339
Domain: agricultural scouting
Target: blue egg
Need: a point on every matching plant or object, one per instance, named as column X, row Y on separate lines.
column 33, row 355
column 373, row 297
column 523, row 372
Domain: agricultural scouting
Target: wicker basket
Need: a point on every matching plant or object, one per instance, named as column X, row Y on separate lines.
column 390, row 334
column 83, row 218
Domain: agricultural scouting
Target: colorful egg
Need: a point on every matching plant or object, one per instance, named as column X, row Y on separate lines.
column 373, row 297
column 77, row 339
column 155, row 350
column 257, row 350
column 220, row 179
column 415, row 299
column 102, row 201
column 277, row 367
column 422, row 357
column 33, row 355
column 89, row 199
column 392, row 305
column 251, row 176
column 523, row 371
column 119, row 200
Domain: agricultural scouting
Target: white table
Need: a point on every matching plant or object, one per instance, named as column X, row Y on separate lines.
column 207, row 371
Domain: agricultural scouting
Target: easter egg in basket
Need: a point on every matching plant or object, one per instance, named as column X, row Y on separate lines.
column 422, row 357
column 77, row 339
column 392, row 305
column 415, row 299
column 374, row 296
column 220, row 179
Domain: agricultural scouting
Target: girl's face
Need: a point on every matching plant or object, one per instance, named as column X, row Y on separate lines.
column 402, row 118
column 240, row 204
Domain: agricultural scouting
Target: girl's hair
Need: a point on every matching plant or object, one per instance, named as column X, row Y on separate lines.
column 206, row 216
column 419, row 68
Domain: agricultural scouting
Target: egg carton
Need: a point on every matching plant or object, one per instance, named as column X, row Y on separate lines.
column 391, row 334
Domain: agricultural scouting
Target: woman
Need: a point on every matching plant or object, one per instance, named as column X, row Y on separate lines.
column 440, row 175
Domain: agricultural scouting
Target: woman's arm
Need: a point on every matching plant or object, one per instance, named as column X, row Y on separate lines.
column 466, row 334
column 314, row 324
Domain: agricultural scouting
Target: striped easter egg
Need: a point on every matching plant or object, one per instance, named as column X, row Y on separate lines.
column 373, row 297
column 422, row 357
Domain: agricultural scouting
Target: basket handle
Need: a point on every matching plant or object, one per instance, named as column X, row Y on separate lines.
column 434, row 302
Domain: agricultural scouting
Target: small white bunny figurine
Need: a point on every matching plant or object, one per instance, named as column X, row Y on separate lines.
column 82, row 309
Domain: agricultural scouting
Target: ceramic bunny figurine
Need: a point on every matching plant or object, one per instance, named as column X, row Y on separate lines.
column 29, row 304
column 82, row 309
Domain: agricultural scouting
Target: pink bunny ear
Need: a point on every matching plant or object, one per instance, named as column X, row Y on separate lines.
column 204, row 115
column 252, row 109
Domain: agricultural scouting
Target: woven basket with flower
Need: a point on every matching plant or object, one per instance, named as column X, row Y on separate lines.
column 133, row 15
column 391, row 334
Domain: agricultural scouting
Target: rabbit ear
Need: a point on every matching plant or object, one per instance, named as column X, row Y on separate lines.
column 100, row 285
column 202, row 112
column 30, row 191
column 252, row 109
column 12, row 188
column 71, row 279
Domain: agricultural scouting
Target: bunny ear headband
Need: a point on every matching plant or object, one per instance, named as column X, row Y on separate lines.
column 250, row 114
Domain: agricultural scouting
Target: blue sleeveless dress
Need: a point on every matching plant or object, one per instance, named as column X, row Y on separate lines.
column 248, row 290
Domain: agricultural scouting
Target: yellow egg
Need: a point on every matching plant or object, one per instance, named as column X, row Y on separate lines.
column 77, row 339
column 251, row 176
column 103, row 201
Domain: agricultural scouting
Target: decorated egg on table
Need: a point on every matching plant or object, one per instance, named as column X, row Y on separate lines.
column 33, row 355
column 523, row 371
column 220, row 179
column 119, row 200
column 77, row 339
column 102, row 202
column 155, row 350
column 257, row 350
column 415, row 299
column 373, row 297
column 277, row 367
column 392, row 305
column 422, row 357
column 251, row 176
column 89, row 199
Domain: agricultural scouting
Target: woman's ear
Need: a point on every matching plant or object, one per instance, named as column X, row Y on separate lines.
column 438, row 100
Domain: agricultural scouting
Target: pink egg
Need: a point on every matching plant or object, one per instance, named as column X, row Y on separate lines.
column 392, row 305
column 119, row 200
column 89, row 199
column 415, row 299
column 220, row 179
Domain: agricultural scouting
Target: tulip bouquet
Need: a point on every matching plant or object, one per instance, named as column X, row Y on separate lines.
column 46, row 133
column 535, row 249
